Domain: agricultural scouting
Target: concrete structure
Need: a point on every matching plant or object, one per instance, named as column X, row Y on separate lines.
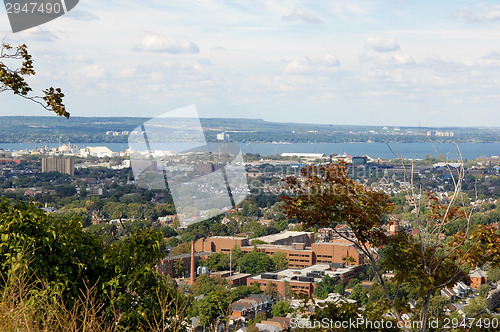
column 61, row 165
column 303, row 281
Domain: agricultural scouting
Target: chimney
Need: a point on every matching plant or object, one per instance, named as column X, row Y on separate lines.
column 193, row 272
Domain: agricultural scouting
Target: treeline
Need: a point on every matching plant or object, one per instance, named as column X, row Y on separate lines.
column 93, row 130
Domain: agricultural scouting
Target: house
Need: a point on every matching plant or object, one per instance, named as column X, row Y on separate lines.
column 250, row 306
column 281, row 323
column 477, row 278
column 459, row 290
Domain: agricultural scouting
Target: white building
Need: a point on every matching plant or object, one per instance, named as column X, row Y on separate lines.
column 97, row 151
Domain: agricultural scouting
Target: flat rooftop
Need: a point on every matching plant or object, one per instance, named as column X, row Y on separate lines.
column 228, row 237
column 281, row 236
column 288, row 274
column 276, row 246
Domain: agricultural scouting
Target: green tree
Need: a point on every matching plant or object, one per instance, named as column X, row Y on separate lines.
column 288, row 290
column 131, row 279
column 324, row 287
column 272, row 290
column 359, row 294
column 240, row 292
column 55, row 248
column 339, row 288
column 255, row 262
column 352, row 283
column 15, row 79
column 255, row 288
column 179, row 268
column 484, row 290
column 437, row 305
column 325, row 195
column 279, row 260
column 493, row 274
column 281, row 309
column 476, row 306
column 205, row 284
column 255, row 229
column 218, row 262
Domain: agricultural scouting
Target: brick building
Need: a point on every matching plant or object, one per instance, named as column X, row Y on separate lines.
column 336, row 252
column 299, row 247
column 477, row 278
column 303, row 281
column 220, row 243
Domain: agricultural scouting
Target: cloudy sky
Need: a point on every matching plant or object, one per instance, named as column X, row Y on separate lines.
column 380, row 62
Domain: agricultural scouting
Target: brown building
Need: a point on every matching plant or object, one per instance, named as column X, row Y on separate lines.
column 477, row 278
column 336, row 252
column 288, row 238
column 303, row 281
column 233, row 278
column 250, row 306
column 393, row 226
column 299, row 247
column 61, row 165
column 220, row 243
column 297, row 254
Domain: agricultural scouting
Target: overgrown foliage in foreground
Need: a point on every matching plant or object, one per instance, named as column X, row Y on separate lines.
column 56, row 277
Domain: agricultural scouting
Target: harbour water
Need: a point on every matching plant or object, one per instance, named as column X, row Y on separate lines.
column 374, row 150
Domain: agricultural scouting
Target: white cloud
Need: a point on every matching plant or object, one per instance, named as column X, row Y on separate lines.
column 165, row 44
column 386, row 59
column 493, row 55
column 81, row 15
column 92, row 72
column 485, row 13
column 309, row 66
column 38, row 34
column 299, row 14
column 382, row 44
column 83, row 59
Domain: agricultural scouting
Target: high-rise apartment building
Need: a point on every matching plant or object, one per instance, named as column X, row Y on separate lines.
column 61, row 165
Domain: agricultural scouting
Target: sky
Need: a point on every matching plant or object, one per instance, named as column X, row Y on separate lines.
column 359, row 62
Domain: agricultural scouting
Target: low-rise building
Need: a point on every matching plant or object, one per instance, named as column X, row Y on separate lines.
column 303, row 281
column 477, row 278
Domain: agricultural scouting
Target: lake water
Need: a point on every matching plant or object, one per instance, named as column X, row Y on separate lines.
column 374, row 150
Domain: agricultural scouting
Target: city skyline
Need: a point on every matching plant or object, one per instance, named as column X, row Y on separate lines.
column 388, row 62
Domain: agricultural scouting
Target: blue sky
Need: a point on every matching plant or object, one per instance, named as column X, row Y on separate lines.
column 386, row 62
